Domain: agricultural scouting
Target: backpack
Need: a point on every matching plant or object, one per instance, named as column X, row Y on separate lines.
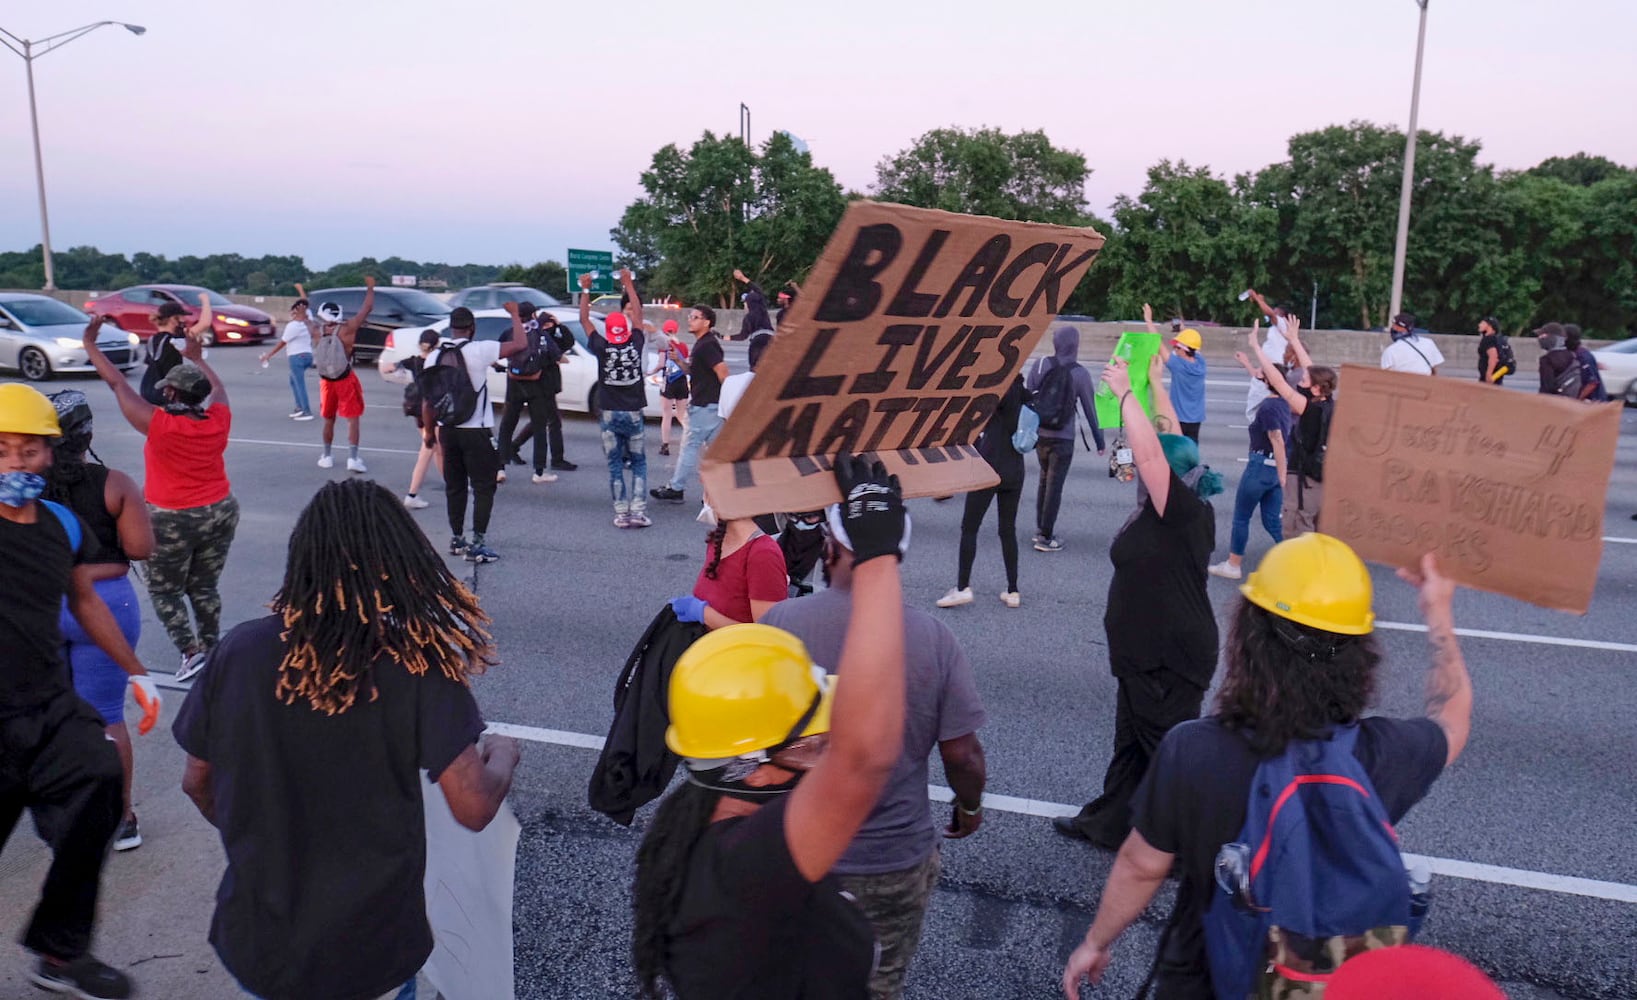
column 330, row 357
column 70, row 522
column 1310, row 454
column 446, row 385
column 1027, row 434
column 412, row 389
column 162, row 355
column 1314, row 879
column 1568, row 380
column 1506, row 363
column 540, row 352
column 1053, row 399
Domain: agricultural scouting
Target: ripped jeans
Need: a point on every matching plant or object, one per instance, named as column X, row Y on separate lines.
column 625, row 445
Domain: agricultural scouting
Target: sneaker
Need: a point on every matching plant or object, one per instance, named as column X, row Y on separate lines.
column 1011, row 598
column 956, row 597
column 326, row 461
column 637, row 519
column 457, row 546
column 356, row 465
column 665, row 449
column 129, row 835
column 500, row 476
column 622, row 520
column 296, row 413
column 514, row 460
column 83, row 977
column 192, row 663
column 1037, row 539
column 667, row 494
column 543, row 477
column 564, row 465
column 302, row 416
column 1048, row 545
column 415, row 503
column 1226, row 570
column 480, row 553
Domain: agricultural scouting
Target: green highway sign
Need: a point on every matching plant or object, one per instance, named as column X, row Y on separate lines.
column 598, row 263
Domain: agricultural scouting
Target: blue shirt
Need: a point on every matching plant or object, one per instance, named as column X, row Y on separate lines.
column 1187, row 388
column 1273, row 415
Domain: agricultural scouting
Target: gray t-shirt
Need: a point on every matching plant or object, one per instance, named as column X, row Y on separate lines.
column 943, row 704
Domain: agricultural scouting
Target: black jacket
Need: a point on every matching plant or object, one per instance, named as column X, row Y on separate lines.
column 635, row 766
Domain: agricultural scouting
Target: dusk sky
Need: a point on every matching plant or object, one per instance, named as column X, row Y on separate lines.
column 493, row 132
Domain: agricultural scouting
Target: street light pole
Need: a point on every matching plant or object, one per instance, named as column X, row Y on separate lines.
column 28, row 54
column 1401, row 247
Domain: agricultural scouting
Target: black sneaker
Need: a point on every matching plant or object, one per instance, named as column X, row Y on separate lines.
column 129, row 836
column 564, row 465
column 481, row 553
column 457, row 546
column 514, row 460
column 666, row 493
column 1050, row 544
column 84, row 977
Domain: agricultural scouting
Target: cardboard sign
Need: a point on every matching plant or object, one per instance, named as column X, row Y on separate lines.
column 1507, row 487
column 469, row 878
column 1136, row 350
column 905, row 337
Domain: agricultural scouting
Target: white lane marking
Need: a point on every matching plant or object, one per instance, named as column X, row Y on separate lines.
column 315, row 444
column 1621, row 541
column 1469, row 870
column 1542, row 640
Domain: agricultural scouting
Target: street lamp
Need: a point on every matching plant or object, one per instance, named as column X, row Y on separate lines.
column 30, row 51
column 1409, row 173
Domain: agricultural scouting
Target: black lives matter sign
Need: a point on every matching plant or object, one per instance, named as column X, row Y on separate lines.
column 905, row 337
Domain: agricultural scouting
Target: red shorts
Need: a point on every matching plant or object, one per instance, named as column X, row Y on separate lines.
column 343, row 397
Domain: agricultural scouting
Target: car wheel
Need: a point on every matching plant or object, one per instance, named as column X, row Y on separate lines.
column 1631, row 393
column 34, row 365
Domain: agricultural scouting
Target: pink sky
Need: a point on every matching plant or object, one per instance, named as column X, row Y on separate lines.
column 495, row 132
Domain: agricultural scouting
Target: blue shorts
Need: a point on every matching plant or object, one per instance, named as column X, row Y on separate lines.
column 97, row 678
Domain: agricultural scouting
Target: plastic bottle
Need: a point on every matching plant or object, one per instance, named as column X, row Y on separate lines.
column 1233, row 873
column 1420, row 895
column 1244, row 296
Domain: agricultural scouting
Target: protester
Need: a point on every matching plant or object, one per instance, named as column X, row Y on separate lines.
column 1055, row 447
column 339, row 391
column 1159, row 625
column 469, row 457
column 1495, row 358
column 163, row 351
column 1187, row 371
column 733, row 894
column 1312, row 403
column 429, row 452
column 757, row 319
column 1302, row 664
column 306, row 741
column 56, row 759
column 1591, row 380
column 190, row 500
column 1262, row 484
column 1409, row 351
column 787, row 298
column 734, row 386
column 109, row 504
column 706, row 368
column 298, row 339
column 995, row 445
column 892, row 865
column 1559, row 366
column 1278, row 319
column 622, row 398
column 673, row 394
column 744, row 574
column 529, row 384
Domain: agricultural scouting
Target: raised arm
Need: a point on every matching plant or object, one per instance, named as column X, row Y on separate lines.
column 192, row 351
column 1293, row 331
column 1148, row 318
column 518, row 342
column 585, row 305
column 1165, row 415
column 349, row 330
column 1449, row 687
column 1141, row 437
column 1276, row 381
column 135, row 409
column 202, row 324
column 633, row 300
column 1261, row 303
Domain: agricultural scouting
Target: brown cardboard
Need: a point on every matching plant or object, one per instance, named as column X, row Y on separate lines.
column 1507, row 487
column 904, row 338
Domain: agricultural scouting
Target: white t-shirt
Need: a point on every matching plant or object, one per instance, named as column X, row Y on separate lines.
column 1415, row 354
column 480, row 356
column 733, row 387
column 298, row 339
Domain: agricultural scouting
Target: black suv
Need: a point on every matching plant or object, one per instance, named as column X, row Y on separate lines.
column 394, row 309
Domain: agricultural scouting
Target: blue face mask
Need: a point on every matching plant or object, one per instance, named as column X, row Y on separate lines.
column 19, row 488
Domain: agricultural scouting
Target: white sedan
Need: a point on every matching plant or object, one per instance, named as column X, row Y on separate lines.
column 579, row 374
column 1618, row 365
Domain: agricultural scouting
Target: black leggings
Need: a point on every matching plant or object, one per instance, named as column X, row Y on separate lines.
column 469, row 458
column 977, row 506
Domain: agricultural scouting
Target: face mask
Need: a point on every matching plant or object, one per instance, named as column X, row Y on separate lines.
column 19, row 488
column 707, row 517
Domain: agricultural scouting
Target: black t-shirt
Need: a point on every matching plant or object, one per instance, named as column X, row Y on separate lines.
column 1192, row 801
column 703, row 383
column 619, row 372
column 1159, row 612
column 162, row 355
column 1310, row 435
column 35, row 576
column 1272, row 415
column 83, row 489
column 321, row 819
column 750, row 927
column 1486, row 343
column 995, row 443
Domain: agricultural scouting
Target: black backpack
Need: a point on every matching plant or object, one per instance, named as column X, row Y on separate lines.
column 412, row 391
column 1506, row 363
column 446, row 386
column 1310, row 454
column 542, row 351
column 1053, row 399
column 1568, row 380
column 162, row 355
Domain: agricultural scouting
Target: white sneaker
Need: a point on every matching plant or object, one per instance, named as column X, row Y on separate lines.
column 415, row 503
column 500, row 476
column 192, row 663
column 1226, row 570
column 302, row 416
column 356, row 465
column 1011, row 598
column 544, row 477
column 326, row 461
column 296, row 413
column 956, row 597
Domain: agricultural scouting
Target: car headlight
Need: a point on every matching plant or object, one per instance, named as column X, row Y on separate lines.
column 230, row 321
column 133, row 339
column 67, row 342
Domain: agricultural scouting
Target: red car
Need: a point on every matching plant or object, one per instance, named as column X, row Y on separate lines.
column 133, row 310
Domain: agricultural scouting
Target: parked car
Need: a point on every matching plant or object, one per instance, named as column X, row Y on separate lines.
column 496, row 294
column 394, row 309
column 132, row 310
column 1618, row 365
column 579, row 375
column 41, row 337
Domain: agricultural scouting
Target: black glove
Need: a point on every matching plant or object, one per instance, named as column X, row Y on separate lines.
column 872, row 508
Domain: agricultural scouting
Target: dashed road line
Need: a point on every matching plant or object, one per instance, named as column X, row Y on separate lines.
column 1542, row 640
column 315, row 444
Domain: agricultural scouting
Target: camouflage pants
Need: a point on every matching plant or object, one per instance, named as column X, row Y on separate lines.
column 190, row 549
column 895, row 904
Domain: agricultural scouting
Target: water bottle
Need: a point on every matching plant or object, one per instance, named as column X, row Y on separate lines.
column 1420, row 896
column 1233, row 873
column 1244, row 296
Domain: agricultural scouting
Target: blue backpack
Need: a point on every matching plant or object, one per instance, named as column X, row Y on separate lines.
column 70, row 522
column 1315, row 877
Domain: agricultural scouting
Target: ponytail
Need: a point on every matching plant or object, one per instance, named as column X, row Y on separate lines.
column 662, row 868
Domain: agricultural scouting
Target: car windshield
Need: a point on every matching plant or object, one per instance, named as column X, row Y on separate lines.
column 540, row 299
column 45, row 312
column 420, row 302
column 191, row 296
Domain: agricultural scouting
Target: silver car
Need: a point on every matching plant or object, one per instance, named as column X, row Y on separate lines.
column 40, row 337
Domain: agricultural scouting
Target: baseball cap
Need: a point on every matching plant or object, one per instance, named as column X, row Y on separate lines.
column 187, row 379
column 461, row 319
column 300, row 304
column 669, row 326
column 169, row 309
column 617, row 327
column 1407, row 320
column 525, row 310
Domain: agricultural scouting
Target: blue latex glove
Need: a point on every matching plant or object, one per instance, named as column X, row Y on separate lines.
column 689, row 608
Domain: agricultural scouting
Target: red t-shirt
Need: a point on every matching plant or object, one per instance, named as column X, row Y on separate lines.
column 184, row 458
column 755, row 571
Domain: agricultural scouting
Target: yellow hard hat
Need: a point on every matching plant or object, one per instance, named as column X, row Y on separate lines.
column 1314, row 580
column 744, row 688
column 25, row 410
column 1190, row 339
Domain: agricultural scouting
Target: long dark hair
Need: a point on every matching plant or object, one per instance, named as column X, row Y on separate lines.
column 756, row 315
column 1286, row 681
column 662, row 868
column 362, row 582
column 715, row 539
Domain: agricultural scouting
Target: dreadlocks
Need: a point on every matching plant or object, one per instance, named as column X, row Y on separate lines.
column 360, row 583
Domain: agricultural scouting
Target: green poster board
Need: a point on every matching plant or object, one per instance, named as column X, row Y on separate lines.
column 1136, row 349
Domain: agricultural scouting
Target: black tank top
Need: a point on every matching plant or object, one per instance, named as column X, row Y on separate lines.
column 85, row 495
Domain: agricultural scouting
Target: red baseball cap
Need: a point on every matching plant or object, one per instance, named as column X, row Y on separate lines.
column 617, row 329
column 1410, row 972
column 670, row 326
